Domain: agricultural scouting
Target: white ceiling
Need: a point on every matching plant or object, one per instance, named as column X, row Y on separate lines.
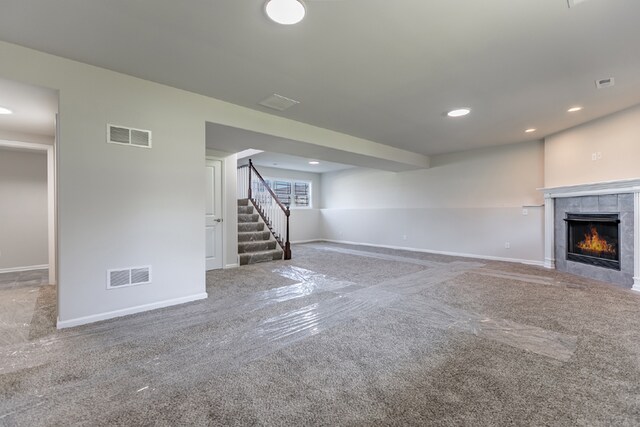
column 285, row 161
column 34, row 108
column 378, row 69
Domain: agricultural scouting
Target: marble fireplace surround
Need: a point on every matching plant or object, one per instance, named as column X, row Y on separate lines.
column 576, row 198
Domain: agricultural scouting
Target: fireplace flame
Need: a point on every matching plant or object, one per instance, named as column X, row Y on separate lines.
column 595, row 244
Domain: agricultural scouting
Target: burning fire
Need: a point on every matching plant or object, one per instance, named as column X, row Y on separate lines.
column 595, row 244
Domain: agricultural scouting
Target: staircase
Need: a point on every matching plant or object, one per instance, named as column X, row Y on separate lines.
column 255, row 240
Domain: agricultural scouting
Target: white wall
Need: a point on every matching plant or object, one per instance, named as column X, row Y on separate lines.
column 120, row 206
column 23, row 209
column 467, row 203
column 306, row 225
column 568, row 154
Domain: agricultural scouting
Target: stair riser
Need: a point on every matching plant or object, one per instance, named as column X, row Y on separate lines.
column 251, row 226
column 248, row 217
column 254, row 237
column 259, row 257
column 247, row 247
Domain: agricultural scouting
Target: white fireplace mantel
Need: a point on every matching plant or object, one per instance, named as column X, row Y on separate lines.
column 593, row 189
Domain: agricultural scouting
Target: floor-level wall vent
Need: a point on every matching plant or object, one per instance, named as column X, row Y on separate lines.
column 123, row 277
column 128, row 136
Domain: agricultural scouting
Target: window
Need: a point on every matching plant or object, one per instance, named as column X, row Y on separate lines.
column 292, row 193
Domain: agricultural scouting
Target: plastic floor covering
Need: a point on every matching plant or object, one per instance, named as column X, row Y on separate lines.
column 339, row 335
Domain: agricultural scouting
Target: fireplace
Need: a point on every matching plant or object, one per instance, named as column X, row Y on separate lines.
column 593, row 238
column 617, row 204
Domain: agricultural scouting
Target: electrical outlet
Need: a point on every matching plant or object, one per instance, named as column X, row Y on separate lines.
column 594, row 156
column 525, row 211
column 507, row 245
column 599, row 155
column 404, row 237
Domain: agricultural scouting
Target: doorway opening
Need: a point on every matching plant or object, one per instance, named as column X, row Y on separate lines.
column 28, row 258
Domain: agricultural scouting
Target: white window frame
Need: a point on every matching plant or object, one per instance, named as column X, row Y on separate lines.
column 292, row 181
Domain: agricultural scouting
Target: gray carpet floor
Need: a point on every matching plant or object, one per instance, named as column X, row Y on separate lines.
column 339, row 335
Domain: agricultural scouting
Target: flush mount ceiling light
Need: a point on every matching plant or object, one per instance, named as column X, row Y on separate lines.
column 459, row 112
column 314, row 162
column 4, row 110
column 530, row 130
column 574, row 109
column 285, row 12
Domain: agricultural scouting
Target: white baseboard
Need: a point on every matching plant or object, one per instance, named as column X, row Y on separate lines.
column 428, row 251
column 25, row 268
column 299, row 242
column 61, row 324
column 236, row 265
column 636, row 284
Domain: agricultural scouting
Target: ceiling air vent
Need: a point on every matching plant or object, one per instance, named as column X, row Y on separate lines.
column 603, row 83
column 123, row 277
column 128, row 136
column 278, row 102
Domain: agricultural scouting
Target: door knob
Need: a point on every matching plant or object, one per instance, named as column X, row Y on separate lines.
column 218, row 220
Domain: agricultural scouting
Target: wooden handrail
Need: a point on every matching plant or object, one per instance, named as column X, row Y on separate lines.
column 287, row 245
column 283, row 207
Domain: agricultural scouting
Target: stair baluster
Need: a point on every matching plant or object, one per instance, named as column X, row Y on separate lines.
column 273, row 212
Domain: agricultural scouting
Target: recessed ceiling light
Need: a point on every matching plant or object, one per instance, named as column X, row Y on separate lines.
column 458, row 112
column 574, row 109
column 530, row 130
column 4, row 110
column 314, row 162
column 285, row 12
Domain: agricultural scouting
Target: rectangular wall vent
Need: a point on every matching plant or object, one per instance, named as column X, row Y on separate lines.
column 123, row 277
column 128, row 136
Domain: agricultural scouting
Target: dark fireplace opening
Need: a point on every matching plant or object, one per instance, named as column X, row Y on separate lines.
column 593, row 239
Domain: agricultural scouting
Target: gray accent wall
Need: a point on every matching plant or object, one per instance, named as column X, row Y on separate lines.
column 23, row 209
column 471, row 203
column 615, row 203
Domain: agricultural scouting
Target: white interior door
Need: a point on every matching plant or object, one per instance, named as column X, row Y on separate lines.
column 213, row 215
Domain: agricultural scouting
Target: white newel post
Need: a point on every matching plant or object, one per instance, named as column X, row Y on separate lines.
column 549, row 227
column 636, row 241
